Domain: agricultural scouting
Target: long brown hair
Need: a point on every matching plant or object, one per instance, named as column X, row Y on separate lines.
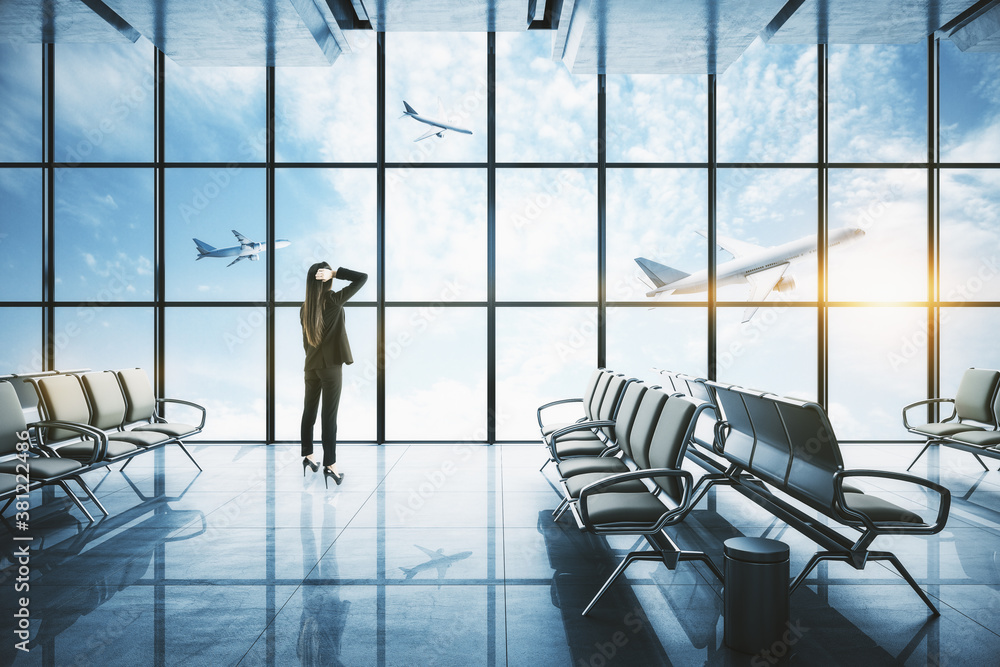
column 312, row 308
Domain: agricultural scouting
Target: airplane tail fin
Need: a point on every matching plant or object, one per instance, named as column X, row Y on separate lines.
column 203, row 248
column 408, row 572
column 660, row 274
column 409, row 110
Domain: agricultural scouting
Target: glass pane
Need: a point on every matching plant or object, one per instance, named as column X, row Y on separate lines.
column 888, row 263
column 210, row 205
column 435, row 243
column 546, row 235
column 644, row 341
column 104, row 338
column 766, row 235
column 357, row 400
column 970, row 96
column 21, row 103
column 328, row 215
column 877, row 364
column 216, row 357
column 435, row 374
column 655, row 118
column 327, row 114
column 104, row 234
column 21, row 238
column 21, row 340
column 656, row 214
column 775, row 351
column 215, row 114
column 970, row 235
column 543, row 354
column 544, row 113
column 104, row 102
column 442, row 76
column 968, row 340
column 768, row 105
column 878, row 103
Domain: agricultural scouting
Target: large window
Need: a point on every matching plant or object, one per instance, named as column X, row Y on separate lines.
column 505, row 261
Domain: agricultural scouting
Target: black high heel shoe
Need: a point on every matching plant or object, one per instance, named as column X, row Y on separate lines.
column 327, row 474
column 306, row 463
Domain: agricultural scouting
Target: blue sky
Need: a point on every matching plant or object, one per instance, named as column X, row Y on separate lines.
column 546, row 223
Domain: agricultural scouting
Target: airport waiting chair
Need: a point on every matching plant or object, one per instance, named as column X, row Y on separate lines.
column 771, row 442
column 597, row 384
column 973, row 423
column 592, row 437
column 143, row 414
column 603, row 509
column 632, row 431
column 43, row 467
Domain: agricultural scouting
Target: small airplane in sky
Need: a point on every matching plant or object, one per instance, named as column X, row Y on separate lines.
column 762, row 267
column 438, row 560
column 441, row 128
column 247, row 249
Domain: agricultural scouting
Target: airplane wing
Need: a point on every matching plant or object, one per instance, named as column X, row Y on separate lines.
column 432, row 554
column 734, row 247
column 430, row 133
column 761, row 284
column 242, row 239
column 236, row 260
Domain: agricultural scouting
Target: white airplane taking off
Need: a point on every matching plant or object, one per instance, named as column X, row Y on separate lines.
column 247, row 249
column 763, row 268
column 438, row 127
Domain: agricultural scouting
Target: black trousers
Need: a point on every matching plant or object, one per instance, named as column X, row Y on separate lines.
column 325, row 382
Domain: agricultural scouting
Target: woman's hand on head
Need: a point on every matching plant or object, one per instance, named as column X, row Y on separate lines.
column 324, row 275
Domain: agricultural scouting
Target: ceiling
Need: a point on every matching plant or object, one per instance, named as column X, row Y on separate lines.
column 588, row 36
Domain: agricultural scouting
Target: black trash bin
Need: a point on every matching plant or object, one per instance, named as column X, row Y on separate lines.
column 755, row 597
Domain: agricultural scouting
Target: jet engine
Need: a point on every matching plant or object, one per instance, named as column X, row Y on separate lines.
column 254, row 258
column 786, row 284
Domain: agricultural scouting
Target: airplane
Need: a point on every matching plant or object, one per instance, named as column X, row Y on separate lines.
column 247, row 249
column 763, row 268
column 442, row 128
column 438, row 560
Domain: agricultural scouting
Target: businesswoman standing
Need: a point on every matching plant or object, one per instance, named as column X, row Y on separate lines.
column 324, row 337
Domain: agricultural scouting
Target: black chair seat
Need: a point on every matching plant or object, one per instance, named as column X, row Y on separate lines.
column 586, row 464
column 139, row 438
column 172, row 429
column 579, row 448
column 576, row 483
column 82, row 451
column 43, row 468
column 640, row 509
column 878, row 510
column 945, row 429
column 979, row 438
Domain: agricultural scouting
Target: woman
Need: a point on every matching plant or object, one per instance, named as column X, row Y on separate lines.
column 324, row 337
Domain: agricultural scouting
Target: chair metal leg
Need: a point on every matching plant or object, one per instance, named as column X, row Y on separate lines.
column 981, row 462
column 891, row 557
column 629, row 559
column 125, row 465
column 926, row 445
column 185, row 450
column 86, row 489
column 559, row 511
column 559, row 507
column 813, row 562
column 76, row 501
column 547, row 461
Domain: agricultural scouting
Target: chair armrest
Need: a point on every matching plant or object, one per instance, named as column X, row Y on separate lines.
column 550, row 441
column 944, row 504
column 85, row 431
column 687, row 481
column 906, row 423
column 549, row 405
column 188, row 403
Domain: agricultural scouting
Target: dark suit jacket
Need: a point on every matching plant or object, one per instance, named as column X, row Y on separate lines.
column 334, row 348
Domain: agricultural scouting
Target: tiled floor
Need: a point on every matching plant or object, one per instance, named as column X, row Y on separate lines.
column 447, row 555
